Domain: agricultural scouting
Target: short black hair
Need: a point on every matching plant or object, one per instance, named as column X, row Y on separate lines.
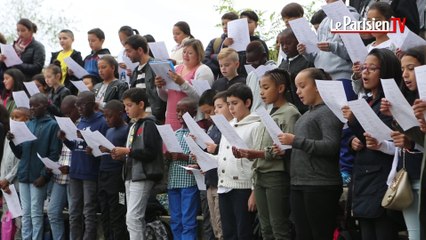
column 207, row 98
column 241, row 91
column 250, row 14
column 136, row 95
column 384, row 8
column 97, row 32
column 115, row 106
column 137, row 41
column 318, row 17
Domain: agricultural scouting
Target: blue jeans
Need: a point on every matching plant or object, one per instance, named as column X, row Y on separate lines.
column 32, row 200
column 183, row 206
column 58, row 200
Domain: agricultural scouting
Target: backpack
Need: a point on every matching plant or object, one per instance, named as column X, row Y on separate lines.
column 158, row 230
column 217, row 44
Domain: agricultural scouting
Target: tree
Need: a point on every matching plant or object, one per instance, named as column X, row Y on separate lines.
column 49, row 22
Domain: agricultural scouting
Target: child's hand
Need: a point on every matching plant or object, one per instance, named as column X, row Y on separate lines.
column 129, row 72
column 4, row 183
column 422, row 123
column 277, row 150
column 122, row 65
column 228, row 42
column 70, row 72
column 64, row 169
column 286, row 138
column 89, row 150
column 419, row 108
column 236, row 152
column 192, row 166
column 6, row 189
column 10, row 136
column 119, row 152
column 159, row 82
column 211, row 147
column 399, row 53
column 2, row 57
column 104, row 149
column 385, row 106
column 400, row 140
column 252, row 203
column 61, row 135
column 49, row 170
column 176, row 78
column 356, row 144
column 324, row 46
column 39, row 182
column 79, row 134
column 356, row 69
column 347, row 113
column 193, row 157
column 301, row 48
column 371, row 142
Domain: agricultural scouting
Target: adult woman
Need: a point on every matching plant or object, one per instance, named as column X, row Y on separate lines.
column 191, row 69
column 181, row 34
column 28, row 49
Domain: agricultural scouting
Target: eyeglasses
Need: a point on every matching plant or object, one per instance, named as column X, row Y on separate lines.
column 370, row 69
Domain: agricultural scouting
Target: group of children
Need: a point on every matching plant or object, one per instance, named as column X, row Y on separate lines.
column 294, row 192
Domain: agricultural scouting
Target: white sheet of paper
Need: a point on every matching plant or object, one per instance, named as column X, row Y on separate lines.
column 50, row 164
column 239, row 32
column 31, row 88
column 159, row 50
column 21, row 132
column 249, row 68
column 161, row 68
column 66, row 125
column 228, row 131
column 271, row 126
column 205, row 161
column 260, row 71
column 400, row 108
column 201, row 86
column 353, row 42
column 80, row 86
column 201, row 137
column 77, row 70
column 12, row 58
column 91, row 139
column 334, row 96
column 421, row 82
column 199, row 178
column 304, row 34
column 169, row 138
column 21, row 99
column 12, row 201
column 407, row 39
column 101, row 140
column 369, row 121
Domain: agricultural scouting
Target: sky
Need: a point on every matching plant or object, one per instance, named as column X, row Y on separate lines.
column 151, row 17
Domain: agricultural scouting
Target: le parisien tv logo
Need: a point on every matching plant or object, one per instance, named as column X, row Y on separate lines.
column 348, row 25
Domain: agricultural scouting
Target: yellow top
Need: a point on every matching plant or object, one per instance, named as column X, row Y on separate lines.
column 61, row 56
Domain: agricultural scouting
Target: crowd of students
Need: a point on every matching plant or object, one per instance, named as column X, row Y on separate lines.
column 294, row 193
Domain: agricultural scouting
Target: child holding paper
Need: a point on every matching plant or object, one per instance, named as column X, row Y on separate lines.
column 84, row 170
column 228, row 63
column 236, row 199
column 257, row 56
column 143, row 160
column 111, row 87
column 184, row 198
column 32, row 175
column 111, row 191
column 96, row 39
column 53, row 76
column 41, row 84
column 9, row 164
column 315, row 179
column 13, row 81
column 271, row 170
column 66, row 39
column 181, row 34
column 371, row 167
column 191, row 69
column 60, row 190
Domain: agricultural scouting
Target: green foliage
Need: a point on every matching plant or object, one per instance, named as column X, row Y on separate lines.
column 49, row 22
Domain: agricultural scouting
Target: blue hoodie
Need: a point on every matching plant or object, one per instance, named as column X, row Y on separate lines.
column 47, row 145
column 84, row 166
